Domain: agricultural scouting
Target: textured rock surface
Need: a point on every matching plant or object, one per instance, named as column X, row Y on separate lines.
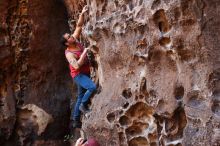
column 31, row 121
column 7, row 104
column 33, row 69
column 158, row 66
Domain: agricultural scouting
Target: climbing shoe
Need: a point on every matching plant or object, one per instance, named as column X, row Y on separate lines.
column 84, row 109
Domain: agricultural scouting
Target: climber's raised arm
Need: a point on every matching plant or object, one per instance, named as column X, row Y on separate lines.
column 80, row 23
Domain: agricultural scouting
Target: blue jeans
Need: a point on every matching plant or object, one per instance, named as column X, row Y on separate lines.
column 85, row 89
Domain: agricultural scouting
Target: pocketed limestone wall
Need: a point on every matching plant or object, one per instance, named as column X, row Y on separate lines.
column 158, row 71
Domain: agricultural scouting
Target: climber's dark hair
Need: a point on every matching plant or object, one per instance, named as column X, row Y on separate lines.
column 63, row 41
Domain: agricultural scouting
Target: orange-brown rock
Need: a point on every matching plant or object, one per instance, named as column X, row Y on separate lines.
column 33, row 69
column 157, row 70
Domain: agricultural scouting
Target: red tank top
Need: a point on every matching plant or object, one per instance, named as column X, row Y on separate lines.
column 84, row 68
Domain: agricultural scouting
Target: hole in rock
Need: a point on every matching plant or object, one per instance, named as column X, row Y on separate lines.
column 139, row 110
column 121, row 112
column 95, row 49
column 127, row 93
column 160, row 26
column 153, row 93
column 184, row 54
column 179, row 92
column 153, row 144
column 194, row 100
column 111, row 117
column 97, row 34
column 136, row 97
column 1, row 102
column 143, row 84
column 176, row 125
column 35, row 117
column 141, row 96
column 123, row 8
column 142, row 43
column 124, row 120
column 155, row 55
column 216, row 94
column 165, row 41
column 122, row 138
column 185, row 4
column 116, row 3
column 142, row 28
column 136, row 129
column 161, row 21
column 216, row 107
column 104, row 6
column 131, row 6
column 176, row 13
column 138, row 141
column 140, row 2
column 214, row 81
column 152, row 137
column 125, row 105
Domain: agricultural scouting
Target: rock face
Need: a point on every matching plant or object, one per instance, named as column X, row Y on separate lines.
column 158, row 68
column 33, row 70
column 7, row 103
column 32, row 121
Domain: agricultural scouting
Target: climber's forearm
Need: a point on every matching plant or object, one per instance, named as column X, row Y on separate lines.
column 82, row 58
column 81, row 20
column 78, row 29
column 79, row 24
column 72, row 60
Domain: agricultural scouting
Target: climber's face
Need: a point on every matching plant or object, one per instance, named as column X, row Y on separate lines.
column 70, row 40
